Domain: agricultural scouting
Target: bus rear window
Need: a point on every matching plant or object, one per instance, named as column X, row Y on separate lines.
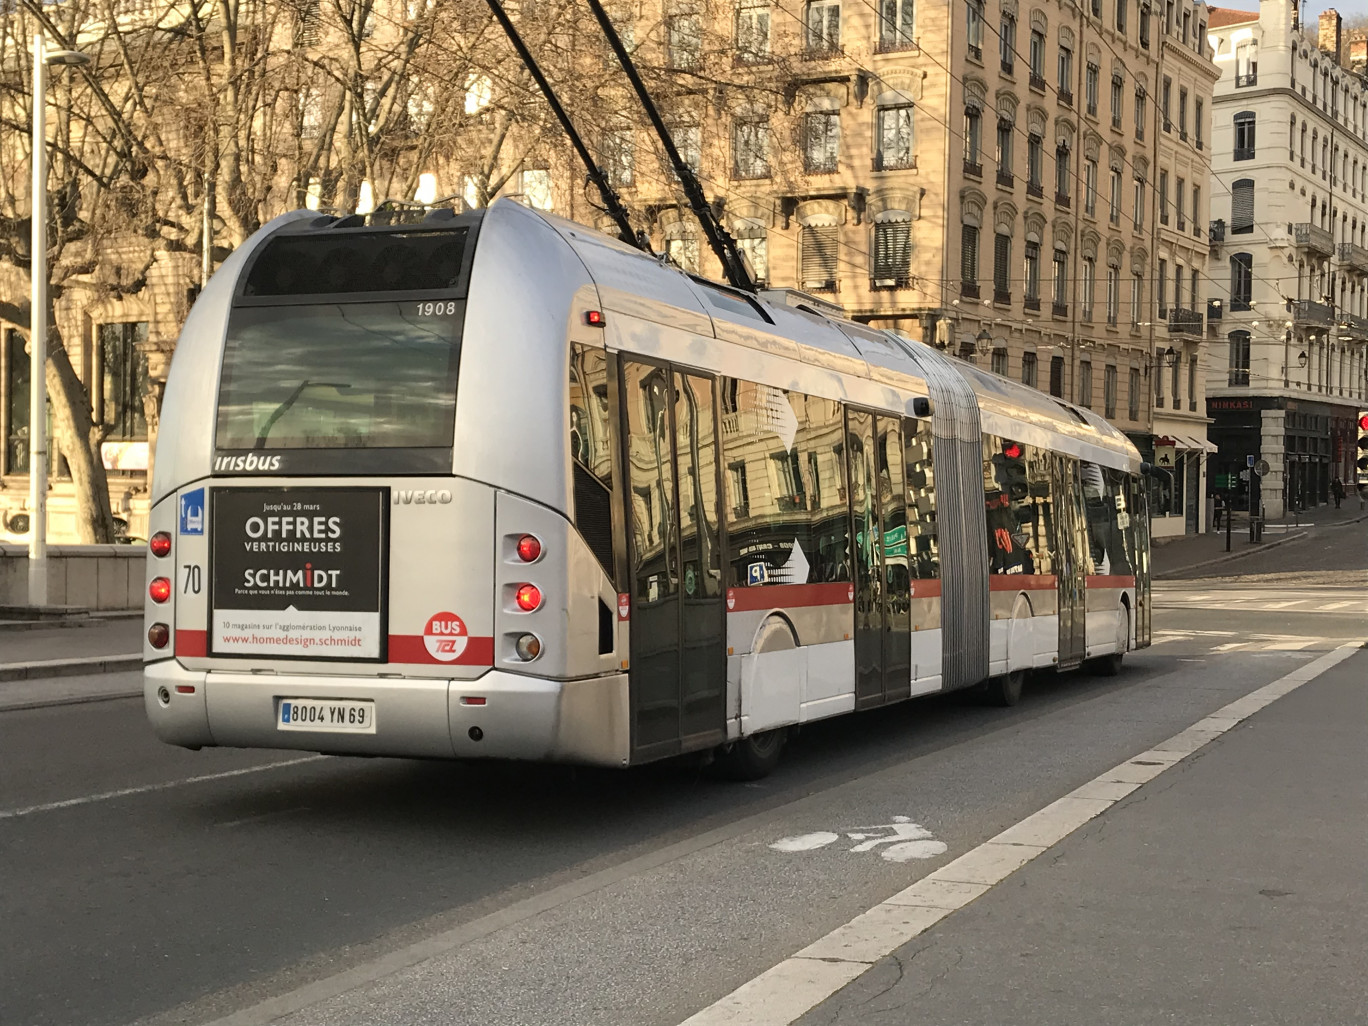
column 324, row 264
column 340, row 376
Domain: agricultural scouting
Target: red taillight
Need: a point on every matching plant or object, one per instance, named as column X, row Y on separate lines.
column 159, row 589
column 594, row 318
column 159, row 635
column 529, row 548
column 472, row 700
column 185, row 689
column 160, row 544
column 529, row 597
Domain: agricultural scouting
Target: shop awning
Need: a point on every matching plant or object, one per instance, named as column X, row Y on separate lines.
column 1193, row 444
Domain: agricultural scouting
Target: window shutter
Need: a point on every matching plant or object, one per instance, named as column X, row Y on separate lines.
column 1002, row 255
column 1242, row 206
column 819, row 256
column 969, row 254
column 892, row 251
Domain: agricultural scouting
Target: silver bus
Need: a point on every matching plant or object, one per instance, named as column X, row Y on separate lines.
column 494, row 485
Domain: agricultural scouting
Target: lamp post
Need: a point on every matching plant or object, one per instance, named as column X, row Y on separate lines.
column 38, row 326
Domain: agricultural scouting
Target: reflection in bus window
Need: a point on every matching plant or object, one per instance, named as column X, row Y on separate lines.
column 592, row 452
column 923, row 545
column 787, row 520
column 1017, row 500
column 1110, row 531
column 646, row 396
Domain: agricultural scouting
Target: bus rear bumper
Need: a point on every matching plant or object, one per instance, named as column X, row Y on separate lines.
column 498, row 716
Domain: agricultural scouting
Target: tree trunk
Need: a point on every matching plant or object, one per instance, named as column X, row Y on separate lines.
column 77, row 437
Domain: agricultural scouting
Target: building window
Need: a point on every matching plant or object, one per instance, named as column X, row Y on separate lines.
column 1139, row 112
column 892, row 253
column 1085, row 384
column 123, row 380
column 819, row 244
column 682, row 249
column 1196, row 210
column 823, row 27
column 1133, row 394
column 1033, row 272
column 1065, row 74
column 1163, row 198
column 1198, row 120
column 1192, row 383
column 1247, row 64
column 1089, row 286
column 1161, row 288
column 1113, row 294
column 974, row 28
column 1007, row 43
column 1004, row 150
column 755, row 246
column 1057, row 376
column 1165, row 103
column 1241, row 281
column 1182, row 114
column 1114, row 211
column 1002, row 268
column 999, row 362
column 1144, row 27
column 1028, row 369
column 973, row 140
column 1060, row 271
column 1175, row 373
column 1244, row 135
column 895, row 138
column 750, row 148
column 683, row 40
column 821, row 141
column 1091, row 79
column 752, row 31
column 619, row 156
column 1138, row 221
column 1109, row 391
column 1116, row 111
column 1034, row 160
column 1036, row 54
column 1121, row 15
column 897, row 24
column 1179, row 192
column 1238, row 373
column 1178, row 286
column 1242, row 207
column 969, row 255
column 1137, row 298
column 1063, row 175
column 1090, row 186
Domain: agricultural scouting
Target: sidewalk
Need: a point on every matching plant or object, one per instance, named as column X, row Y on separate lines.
column 51, row 664
column 1227, row 890
column 1183, row 553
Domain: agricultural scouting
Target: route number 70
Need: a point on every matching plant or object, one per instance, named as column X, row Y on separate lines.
column 193, row 579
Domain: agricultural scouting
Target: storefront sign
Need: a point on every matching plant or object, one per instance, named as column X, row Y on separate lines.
column 297, row 572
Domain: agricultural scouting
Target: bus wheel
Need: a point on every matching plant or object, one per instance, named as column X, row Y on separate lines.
column 751, row 757
column 1110, row 665
column 1004, row 690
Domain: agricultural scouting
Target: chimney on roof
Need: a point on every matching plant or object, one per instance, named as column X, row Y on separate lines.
column 1329, row 40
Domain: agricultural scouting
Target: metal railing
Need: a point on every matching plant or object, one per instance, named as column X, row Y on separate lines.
column 1353, row 255
column 1306, row 311
column 1216, row 232
column 1184, row 322
column 1313, row 237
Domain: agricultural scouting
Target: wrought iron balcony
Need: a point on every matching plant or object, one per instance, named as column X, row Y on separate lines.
column 1184, row 322
column 1355, row 256
column 1307, row 312
column 973, row 169
column 1314, row 238
column 1059, row 309
column 1215, row 310
column 1001, row 295
column 1036, row 82
column 1354, row 327
column 1031, row 304
column 1035, row 190
column 1216, row 233
column 969, row 289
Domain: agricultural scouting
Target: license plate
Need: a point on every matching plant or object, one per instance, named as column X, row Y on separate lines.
column 326, row 714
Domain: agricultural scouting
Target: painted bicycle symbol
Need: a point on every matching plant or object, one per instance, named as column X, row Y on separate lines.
column 905, row 840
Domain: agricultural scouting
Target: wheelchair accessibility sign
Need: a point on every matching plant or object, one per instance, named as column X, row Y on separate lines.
column 192, row 512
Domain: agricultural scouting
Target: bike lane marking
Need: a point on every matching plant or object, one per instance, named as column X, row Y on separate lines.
column 784, row 993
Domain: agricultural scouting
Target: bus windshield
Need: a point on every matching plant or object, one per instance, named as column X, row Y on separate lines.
column 340, row 376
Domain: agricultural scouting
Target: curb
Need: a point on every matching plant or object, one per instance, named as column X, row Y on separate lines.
column 1230, row 556
column 46, row 703
column 93, row 620
column 44, row 668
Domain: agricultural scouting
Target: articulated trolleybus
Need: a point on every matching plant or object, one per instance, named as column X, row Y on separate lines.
column 495, row 485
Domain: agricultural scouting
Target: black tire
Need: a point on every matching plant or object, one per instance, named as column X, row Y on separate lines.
column 1005, row 690
column 1105, row 666
column 751, row 758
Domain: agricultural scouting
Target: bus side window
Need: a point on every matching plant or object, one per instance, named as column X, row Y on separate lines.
column 920, row 482
column 591, row 449
column 1016, row 497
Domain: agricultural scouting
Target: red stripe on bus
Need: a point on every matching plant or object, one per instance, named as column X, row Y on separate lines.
column 1110, row 581
column 789, row 596
column 1022, row 582
column 410, row 648
column 192, row 643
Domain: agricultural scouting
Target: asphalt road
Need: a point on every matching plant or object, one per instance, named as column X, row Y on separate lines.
column 387, row 891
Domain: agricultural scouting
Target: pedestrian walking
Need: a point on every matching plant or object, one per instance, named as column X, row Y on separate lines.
column 1218, row 508
column 1337, row 490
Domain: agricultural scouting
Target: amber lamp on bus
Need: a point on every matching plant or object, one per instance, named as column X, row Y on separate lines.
column 528, row 647
column 160, row 544
column 528, row 597
column 159, row 589
column 529, row 548
column 159, row 635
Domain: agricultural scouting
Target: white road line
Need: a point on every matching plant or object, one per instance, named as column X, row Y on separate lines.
column 146, row 788
column 1336, row 605
column 795, row 986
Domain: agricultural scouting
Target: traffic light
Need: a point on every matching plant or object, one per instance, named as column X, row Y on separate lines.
column 1363, row 448
column 1012, row 471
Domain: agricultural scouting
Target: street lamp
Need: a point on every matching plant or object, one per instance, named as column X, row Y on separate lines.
column 38, row 327
column 1301, row 358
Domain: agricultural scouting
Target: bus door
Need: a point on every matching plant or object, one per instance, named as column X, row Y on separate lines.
column 878, row 535
column 1072, row 568
column 678, row 617
column 1139, row 524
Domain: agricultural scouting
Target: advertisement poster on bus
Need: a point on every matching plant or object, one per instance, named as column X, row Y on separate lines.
column 298, row 572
